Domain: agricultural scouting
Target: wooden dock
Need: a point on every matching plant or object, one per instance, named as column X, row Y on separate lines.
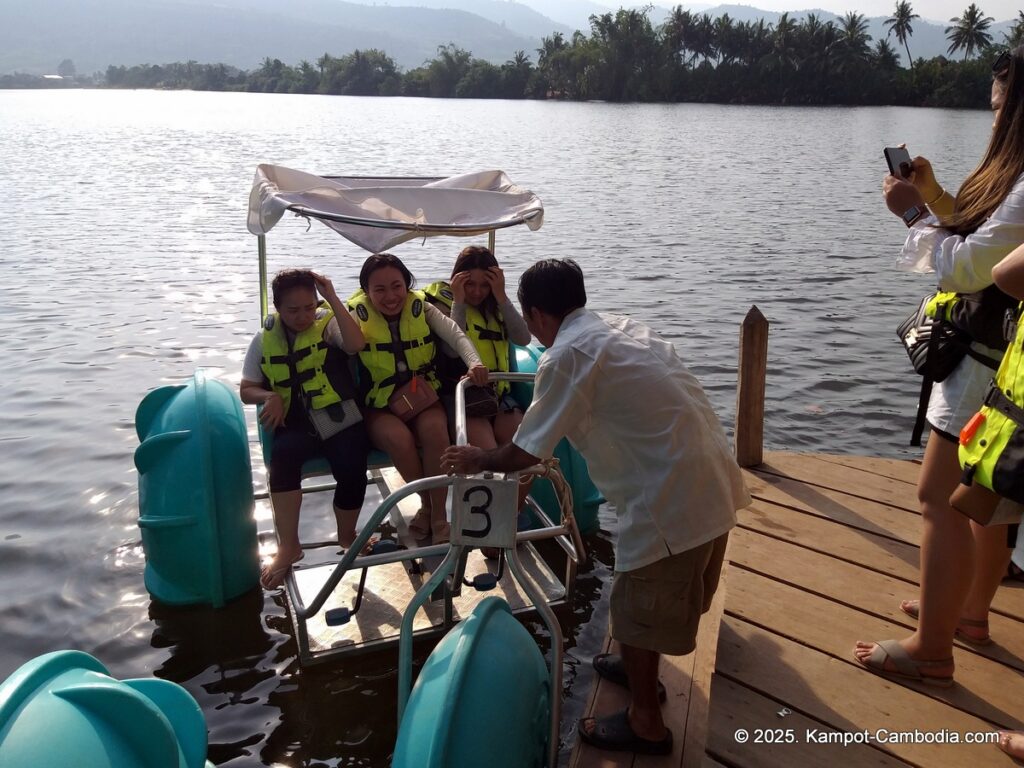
column 821, row 560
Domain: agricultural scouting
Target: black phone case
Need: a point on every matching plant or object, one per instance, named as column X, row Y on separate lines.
column 903, row 157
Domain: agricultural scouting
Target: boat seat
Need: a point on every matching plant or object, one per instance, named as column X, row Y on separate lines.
column 318, row 465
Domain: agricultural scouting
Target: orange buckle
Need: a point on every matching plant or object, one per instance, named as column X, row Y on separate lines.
column 971, row 427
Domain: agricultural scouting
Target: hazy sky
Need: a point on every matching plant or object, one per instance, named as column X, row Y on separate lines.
column 933, row 10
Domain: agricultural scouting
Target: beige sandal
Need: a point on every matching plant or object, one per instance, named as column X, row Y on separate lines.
column 907, row 668
column 913, row 608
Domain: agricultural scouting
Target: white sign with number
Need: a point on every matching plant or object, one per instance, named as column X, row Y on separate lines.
column 484, row 510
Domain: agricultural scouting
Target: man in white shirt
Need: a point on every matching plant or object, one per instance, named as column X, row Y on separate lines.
column 657, row 452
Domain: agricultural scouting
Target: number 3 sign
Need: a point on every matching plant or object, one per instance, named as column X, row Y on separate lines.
column 484, row 511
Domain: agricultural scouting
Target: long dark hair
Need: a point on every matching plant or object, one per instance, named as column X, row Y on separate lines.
column 1003, row 162
column 379, row 261
column 478, row 257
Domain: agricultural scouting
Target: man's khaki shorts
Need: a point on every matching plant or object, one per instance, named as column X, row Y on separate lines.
column 658, row 607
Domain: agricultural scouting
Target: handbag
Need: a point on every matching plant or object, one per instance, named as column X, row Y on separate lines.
column 334, row 418
column 985, row 506
column 412, row 398
column 935, row 346
column 481, row 402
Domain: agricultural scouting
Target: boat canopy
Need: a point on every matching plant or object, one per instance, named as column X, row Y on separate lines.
column 377, row 213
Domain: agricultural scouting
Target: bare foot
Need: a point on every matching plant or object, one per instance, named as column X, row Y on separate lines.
column 1012, row 743
column 927, row 667
column 273, row 574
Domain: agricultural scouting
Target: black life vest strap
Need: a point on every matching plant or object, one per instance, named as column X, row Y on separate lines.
column 995, row 398
column 486, row 334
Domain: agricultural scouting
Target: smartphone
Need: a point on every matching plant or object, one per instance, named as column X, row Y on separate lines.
column 899, row 162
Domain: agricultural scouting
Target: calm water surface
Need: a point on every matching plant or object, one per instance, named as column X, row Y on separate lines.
column 125, row 264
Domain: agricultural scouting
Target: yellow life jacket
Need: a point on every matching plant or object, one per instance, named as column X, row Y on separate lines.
column 487, row 333
column 307, row 359
column 992, row 442
column 378, row 356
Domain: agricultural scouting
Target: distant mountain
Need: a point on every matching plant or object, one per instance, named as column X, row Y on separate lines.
column 35, row 37
column 517, row 17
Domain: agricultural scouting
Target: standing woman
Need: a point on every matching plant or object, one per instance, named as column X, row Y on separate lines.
column 961, row 564
column 480, row 307
column 297, row 369
column 400, row 327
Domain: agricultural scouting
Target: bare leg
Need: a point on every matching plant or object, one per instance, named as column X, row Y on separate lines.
column 346, row 520
column 505, row 425
column 991, row 556
column 391, row 435
column 286, row 505
column 947, row 560
column 644, row 708
column 432, row 430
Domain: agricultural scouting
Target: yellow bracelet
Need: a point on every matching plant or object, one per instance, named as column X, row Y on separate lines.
column 942, row 193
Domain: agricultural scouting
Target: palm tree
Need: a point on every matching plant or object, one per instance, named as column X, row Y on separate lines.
column 1015, row 35
column 852, row 48
column 969, row 32
column 899, row 24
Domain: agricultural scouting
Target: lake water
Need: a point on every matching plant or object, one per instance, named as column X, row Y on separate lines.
column 125, row 264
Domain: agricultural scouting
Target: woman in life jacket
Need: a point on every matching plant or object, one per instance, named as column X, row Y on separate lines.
column 476, row 300
column 400, row 329
column 961, row 241
column 1009, row 276
column 297, row 368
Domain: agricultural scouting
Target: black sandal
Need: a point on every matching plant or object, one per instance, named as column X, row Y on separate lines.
column 1013, row 572
column 610, row 667
column 614, row 733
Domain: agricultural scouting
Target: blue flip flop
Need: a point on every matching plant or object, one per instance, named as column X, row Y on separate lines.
column 610, row 667
column 615, row 734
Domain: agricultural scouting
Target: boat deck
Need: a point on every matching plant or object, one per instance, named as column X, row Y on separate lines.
column 389, row 588
column 820, row 560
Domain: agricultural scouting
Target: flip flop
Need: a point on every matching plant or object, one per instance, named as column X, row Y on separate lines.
column 615, row 734
column 907, row 668
column 1013, row 572
column 913, row 608
column 610, row 667
column 273, row 578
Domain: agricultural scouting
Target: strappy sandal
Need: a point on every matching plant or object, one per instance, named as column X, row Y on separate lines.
column 907, row 668
column 419, row 526
column 912, row 608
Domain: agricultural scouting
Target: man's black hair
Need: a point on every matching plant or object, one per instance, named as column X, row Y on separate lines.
column 554, row 286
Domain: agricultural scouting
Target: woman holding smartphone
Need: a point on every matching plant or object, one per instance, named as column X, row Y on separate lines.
column 961, row 241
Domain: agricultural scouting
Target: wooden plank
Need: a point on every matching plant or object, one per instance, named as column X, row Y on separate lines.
column 699, row 705
column 814, row 471
column 735, row 707
column 878, row 552
column 848, row 698
column 866, row 590
column 853, row 511
column 906, row 470
column 825, row 632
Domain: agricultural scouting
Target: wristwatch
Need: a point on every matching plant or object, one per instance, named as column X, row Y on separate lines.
column 912, row 214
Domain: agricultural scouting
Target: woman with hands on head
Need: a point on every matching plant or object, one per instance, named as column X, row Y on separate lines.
column 400, row 327
column 297, row 369
column 961, row 563
column 481, row 308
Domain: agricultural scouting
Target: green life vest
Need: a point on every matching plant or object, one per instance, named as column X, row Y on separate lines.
column 992, row 442
column 378, row 356
column 487, row 333
column 307, row 360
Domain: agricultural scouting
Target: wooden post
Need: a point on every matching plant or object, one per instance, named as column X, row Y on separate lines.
column 750, row 389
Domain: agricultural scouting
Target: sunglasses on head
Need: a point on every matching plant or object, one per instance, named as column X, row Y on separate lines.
column 1002, row 63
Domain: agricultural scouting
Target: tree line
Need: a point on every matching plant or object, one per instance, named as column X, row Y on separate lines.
column 625, row 57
